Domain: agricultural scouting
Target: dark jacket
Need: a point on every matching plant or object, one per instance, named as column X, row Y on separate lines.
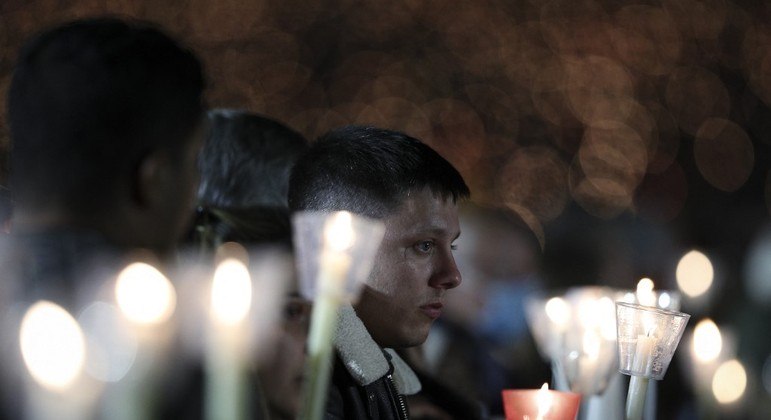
column 368, row 382
column 378, row 401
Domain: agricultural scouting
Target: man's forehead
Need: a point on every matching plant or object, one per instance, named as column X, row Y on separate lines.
column 425, row 213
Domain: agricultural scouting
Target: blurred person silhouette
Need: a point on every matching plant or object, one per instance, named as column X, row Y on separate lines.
column 246, row 160
column 105, row 122
column 483, row 344
column 245, row 165
column 389, row 176
column 279, row 374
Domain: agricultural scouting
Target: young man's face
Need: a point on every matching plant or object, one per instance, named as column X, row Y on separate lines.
column 413, row 269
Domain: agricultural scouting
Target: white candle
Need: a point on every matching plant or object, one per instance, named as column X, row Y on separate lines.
column 231, row 297
column 53, row 349
column 333, row 269
column 147, row 300
column 642, row 364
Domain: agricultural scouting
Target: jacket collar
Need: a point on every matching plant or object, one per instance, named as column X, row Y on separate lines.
column 365, row 360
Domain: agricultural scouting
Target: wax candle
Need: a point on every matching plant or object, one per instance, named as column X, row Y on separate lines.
column 333, row 269
column 147, row 300
column 53, row 349
column 541, row 404
column 638, row 384
column 231, row 296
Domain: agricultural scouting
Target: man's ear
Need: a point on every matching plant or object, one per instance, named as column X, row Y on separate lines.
column 152, row 176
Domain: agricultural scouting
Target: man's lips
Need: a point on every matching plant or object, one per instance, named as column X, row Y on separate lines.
column 432, row 310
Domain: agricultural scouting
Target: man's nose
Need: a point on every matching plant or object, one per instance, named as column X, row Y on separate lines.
column 446, row 274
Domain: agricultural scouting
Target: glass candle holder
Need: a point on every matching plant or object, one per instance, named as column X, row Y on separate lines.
column 312, row 237
column 576, row 332
column 541, row 404
column 647, row 339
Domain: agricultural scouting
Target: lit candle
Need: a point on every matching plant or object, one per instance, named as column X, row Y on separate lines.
column 53, row 349
column 230, row 303
column 147, row 300
column 647, row 339
column 588, row 364
column 638, row 384
column 544, row 400
column 558, row 312
column 540, row 404
column 333, row 270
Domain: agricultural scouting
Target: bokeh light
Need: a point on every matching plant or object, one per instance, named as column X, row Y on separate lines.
column 757, row 267
column 694, row 274
column 724, row 154
column 707, row 341
column 729, row 382
column 112, row 348
column 52, row 345
column 144, row 294
column 646, row 38
column 695, row 94
column 534, row 178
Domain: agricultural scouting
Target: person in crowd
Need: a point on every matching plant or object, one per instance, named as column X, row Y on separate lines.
column 106, row 123
column 245, row 165
column 246, row 160
column 482, row 345
column 401, row 181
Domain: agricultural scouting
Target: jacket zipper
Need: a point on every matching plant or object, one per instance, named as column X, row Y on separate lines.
column 401, row 405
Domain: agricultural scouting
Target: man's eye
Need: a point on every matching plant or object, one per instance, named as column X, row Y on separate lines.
column 425, row 246
column 296, row 311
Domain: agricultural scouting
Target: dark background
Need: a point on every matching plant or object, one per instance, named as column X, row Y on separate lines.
column 622, row 133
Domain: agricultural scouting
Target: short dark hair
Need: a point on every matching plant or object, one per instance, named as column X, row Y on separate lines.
column 246, row 160
column 369, row 171
column 88, row 100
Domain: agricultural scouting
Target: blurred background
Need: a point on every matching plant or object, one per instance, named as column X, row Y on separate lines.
column 602, row 140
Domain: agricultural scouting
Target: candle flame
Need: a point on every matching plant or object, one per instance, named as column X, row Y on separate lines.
column 645, row 295
column 544, row 399
column 52, row 345
column 707, row 341
column 558, row 311
column 144, row 294
column 338, row 231
column 591, row 344
column 231, row 292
